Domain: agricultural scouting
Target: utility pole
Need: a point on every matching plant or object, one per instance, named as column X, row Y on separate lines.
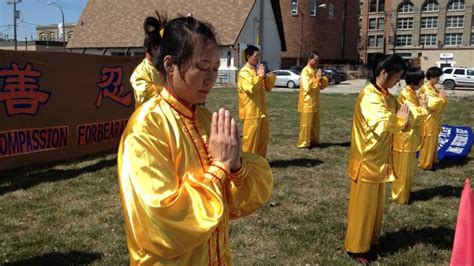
column 15, row 17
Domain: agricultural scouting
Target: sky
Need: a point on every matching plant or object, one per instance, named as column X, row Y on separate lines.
column 37, row 13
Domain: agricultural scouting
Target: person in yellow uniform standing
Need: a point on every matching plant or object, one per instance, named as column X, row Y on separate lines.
column 252, row 85
column 312, row 82
column 181, row 170
column 407, row 142
column 437, row 102
column 145, row 79
column 375, row 120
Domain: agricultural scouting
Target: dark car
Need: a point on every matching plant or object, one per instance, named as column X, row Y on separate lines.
column 335, row 76
column 296, row 68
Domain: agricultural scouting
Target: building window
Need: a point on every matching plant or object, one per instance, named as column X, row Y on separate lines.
column 381, row 23
column 455, row 22
column 380, row 41
column 456, row 5
column 406, row 7
column 430, row 6
column 453, row 39
column 52, row 37
column 42, row 36
column 404, row 40
column 381, row 5
column 405, row 23
column 429, row 22
column 427, row 39
column 312, row 8
column 372, row 23
column 294, row 7
column 373, row 6
column 472, row 38
column 371, row 41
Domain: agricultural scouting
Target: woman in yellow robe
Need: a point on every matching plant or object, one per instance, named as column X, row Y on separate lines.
column 145, row 79
column 312, row 82
column 407, row 142
column 252, row 85
column 182, row 174
column 375, row 120
column 437, row 102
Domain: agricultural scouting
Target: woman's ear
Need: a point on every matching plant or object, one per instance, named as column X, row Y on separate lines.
column 168, row 64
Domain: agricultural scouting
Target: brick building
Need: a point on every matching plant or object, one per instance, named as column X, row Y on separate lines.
column 329, row 27
column 438, row 32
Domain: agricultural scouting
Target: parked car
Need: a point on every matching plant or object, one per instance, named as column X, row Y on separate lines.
column 457, row 76
column 296, row 68
column 287, row 78
column 335, row 76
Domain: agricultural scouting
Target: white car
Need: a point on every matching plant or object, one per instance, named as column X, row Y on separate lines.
column 457, row 76
column 287, row 78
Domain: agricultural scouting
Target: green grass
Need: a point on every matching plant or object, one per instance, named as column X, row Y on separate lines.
column 70, row 212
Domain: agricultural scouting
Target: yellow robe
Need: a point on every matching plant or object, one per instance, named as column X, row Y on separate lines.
column 308, row 106
column 405, row 145
column 177, row 201
column 431, row 126
column 373, row 124
column 146, row 82
column 253, row 109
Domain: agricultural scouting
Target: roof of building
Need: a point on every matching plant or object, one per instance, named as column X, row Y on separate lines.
column 112, row 23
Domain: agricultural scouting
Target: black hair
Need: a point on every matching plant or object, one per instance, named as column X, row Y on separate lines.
column 392, row 64
column 250, row 50
column 182, row 36
column 414, row 77
column 434, row 72
column 152, row 27
column 312, row 54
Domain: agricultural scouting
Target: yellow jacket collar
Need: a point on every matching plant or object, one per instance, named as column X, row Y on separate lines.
column 177, row 105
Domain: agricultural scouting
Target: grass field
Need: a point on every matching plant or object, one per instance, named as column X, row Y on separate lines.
column 70, row 212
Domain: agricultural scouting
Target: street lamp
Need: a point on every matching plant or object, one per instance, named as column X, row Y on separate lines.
column 301, row 29
column 62, row 15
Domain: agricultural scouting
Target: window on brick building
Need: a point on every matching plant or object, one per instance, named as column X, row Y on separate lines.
column 406, row 7
column 294, row 7
column 455, row 5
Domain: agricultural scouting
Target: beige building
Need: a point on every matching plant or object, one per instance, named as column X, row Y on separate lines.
column 53, row 32
column 438, row 32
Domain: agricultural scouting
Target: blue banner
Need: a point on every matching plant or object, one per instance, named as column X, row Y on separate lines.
column 454, row 142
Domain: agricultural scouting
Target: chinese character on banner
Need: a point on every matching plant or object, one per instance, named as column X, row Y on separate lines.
column 21, row 91
column 111, row 87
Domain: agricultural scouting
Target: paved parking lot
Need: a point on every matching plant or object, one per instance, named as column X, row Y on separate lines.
column 354, row 86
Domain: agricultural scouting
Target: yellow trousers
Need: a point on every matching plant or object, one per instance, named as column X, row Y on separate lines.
column 309, row 130
column 365, row 213
column 255, row 136
column 404, row 164
column 428, row 152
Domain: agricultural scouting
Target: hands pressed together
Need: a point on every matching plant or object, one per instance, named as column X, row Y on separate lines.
column 224, row 140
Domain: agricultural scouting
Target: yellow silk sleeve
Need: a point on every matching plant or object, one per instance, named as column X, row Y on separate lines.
column 379, row 119
column 324, row 83
column 249, row 82
column 270, row 82
column 436, row 104
column 168, row 214
column 417, row 113
column 250, row 187
column 141, row 87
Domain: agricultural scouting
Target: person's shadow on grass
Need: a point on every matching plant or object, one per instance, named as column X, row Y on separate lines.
column 55, row 258
column 12, row 180
column 392, row 242
column 426, row 194
column 328, row 145
column 302, row 162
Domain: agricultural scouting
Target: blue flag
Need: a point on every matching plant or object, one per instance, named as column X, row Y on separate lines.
column 454, row 142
